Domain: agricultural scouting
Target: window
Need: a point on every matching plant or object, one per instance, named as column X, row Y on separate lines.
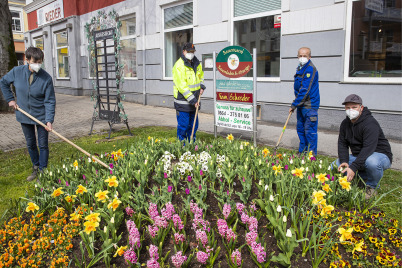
column 178, row 30
column 375, row 41
column 62, row 62
column 16, row 21
column 128, row 52
column 38, row 42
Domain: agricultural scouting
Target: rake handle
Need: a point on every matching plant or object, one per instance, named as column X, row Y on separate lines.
column 195, row 117
column 283, row 130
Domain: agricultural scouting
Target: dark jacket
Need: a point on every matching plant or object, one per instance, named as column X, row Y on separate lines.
column 306, row 89
column 364, row 137
column 37, row 99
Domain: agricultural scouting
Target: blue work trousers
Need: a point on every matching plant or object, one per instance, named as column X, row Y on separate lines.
column 38, row 158
column 307, row 122
column 185, row 121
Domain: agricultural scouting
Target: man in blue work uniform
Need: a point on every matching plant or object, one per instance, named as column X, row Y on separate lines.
column 307, row 101
column 35, row 95
column 187, row 78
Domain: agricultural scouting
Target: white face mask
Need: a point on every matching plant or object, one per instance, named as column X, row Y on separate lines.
column 35, row 67
column 352, row 114
column 189, row 56
column 303, row 60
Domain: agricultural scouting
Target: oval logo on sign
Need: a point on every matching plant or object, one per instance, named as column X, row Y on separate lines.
column 234, row 61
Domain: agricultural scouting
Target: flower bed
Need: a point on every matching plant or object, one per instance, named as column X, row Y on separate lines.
column 224, row 203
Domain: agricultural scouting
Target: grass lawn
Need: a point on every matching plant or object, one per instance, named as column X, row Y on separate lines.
column 15, row 166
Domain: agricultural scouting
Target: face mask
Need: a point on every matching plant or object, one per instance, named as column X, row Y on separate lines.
column 35, row 67
column 352, row 114
column 303, row 60
column 189, row 56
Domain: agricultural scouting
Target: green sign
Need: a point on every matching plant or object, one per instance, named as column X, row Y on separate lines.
column 234, row 85
column 234, row 61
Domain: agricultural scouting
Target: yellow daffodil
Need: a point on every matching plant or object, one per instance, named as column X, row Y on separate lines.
column 327, row 210
column 345, row 185
column 75, row 217
column 32, row 207
column 358, row 247
column 57, row 192
column 298, row 172
column 114, row 204
column 102, row 195
column 149, row 138
column 326, row 188
column 265, row 152
column 343, row 179
column 318, row 196
column 81, row 190
column 277, row 169
column 230, row 137
column 112, row 181
column 90, row 226
column 322, row 177
column 93, row 217
column 70, row 198
column 120, row 251
column 320, row 204
column 75, row 164
column 156, row 140
column 345, row 234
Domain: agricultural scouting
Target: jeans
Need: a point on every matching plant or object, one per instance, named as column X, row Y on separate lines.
column 38, row 158
column 307, row 122
column 185, row 121
column 374, row 168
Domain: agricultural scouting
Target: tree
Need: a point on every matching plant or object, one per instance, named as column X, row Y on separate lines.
column 8, row 59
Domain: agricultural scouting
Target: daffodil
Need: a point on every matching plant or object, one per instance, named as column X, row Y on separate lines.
column 57, row 192
column 345, row 185
column 322, row 177
column 81, row 190
column 75, row 217
column 327, row 210
column 149, row 138
column 318, row 196
column 298, row 172
column 32, row 207
column 277, row 169
column 90, row 226
column 120, row 251
column 265, row 152
column 230, row 137
column 102, row 195
column 112, row 181
column 93, row 217
column 75, row 164
column 358, row 247
column 70, row 198
column 345, row 234
column 114, row 204
column 326, row 188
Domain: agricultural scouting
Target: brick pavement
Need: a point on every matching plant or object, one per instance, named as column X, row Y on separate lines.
column 74, row 117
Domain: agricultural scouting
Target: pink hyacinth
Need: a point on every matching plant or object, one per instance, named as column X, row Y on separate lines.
column 179, row 238
column 259, row 251
column 168, row 211
column 236, row 257
column 161, row 222
column 202, row 236
column 130, row 256
column 244, row 218
column 153, row 211
column 134, row 237
column 165, row 175
column 253, row 207
column 129, row 211
column 226, row 211
column 152, row 263
column 230, row 235
column 177, row 222
column 153, row 252
column 240, row 207
column 178, row 259
column 252, row 224
column 153, row 230
column 202, row 257
column 251, row 237
column 222, row 227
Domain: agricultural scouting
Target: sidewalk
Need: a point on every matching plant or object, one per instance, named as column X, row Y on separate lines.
column 74, row 117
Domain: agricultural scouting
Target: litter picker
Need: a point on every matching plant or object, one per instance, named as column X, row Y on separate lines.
column 283, row 131
column 195, row 118
column 63, row 138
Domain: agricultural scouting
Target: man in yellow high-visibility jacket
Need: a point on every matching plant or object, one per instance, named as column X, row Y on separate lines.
column 187, row 78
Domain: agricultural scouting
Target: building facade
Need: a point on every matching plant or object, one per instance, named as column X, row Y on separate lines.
column 356, row 47
column 18, row 26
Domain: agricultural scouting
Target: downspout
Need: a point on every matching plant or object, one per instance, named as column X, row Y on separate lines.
column 144, row 84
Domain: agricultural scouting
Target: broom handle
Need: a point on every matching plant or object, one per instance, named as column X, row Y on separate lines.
column 195, row 118
column 283, row 130
column 63, row 138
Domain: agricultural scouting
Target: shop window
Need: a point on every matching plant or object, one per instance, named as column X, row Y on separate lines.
column 375, row 39
column 128, row 52
column 178, row 30
column 16, row 21
column 38, row 42
column 62, row 58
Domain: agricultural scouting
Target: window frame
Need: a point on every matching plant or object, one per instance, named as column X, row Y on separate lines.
column 55, row 55
column 249, row 17
column 365, row 80
column 20, row 19
column 164, row 31
column 128, row 37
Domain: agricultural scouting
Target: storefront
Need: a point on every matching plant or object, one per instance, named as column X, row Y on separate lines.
column 356, row 47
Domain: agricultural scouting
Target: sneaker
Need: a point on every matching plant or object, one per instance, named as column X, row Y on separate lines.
column 370, row 192
column 35, row 171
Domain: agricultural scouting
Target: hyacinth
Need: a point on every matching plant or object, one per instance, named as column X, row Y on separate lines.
column 168, row 211
column 153, row 252
column 252, row 224
column 178, row 259
column 130, row 256
column 240, row 207
column 134, row 234
column 153, row 230
column 161, row 222
column 153, row 211
column 193, row 207
column 230, row 235
column 226, row 210
column 259, row 251
column 244, row 218
column 253, row 207
column 152, row 263
column 236, row 257
column 251, row 237
column 129, row 211
column 179, row 238
column 222, row 227
column 202, row 257
column 202, row 236
column 177, row 222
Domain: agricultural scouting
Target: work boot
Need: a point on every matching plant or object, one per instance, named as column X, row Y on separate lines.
column 370, row 192
column 35, row 171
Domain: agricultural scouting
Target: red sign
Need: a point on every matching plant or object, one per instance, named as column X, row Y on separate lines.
column 277, row 25
column 234, row 97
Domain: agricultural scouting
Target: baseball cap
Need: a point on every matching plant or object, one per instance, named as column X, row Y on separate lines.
column 353, row 98
column 189, row 47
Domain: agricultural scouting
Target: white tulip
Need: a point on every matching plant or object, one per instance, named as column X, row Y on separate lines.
column 50, row 173
column 288, row 233
column 112, row 220
column 89, row 160
column 303, row 162
column 279, row 209
column 291, row 161
column 241, row 147
column 266, row 187
column 320, row 166
column 260, row 183
column 320, row 161
column 306, row 168
column 259, row 162
column 329, row 167
column 271, row 198
column 284, row 218
column 105, row 229
column 64, row 166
